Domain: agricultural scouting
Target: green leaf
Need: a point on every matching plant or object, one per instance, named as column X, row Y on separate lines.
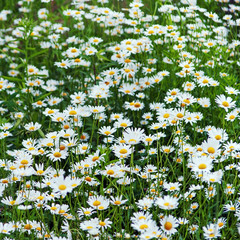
column 101, row 57
column 38, row 53
column 18, row 49
column 41, row 133
column 30, row 48
column 43, row 96
column 13, row 79
column 16, row 124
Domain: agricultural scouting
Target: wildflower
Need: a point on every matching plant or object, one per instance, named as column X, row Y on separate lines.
column 85, row 212
column 104, row 224
column 98, row 202
column 172, row 186
column 231, row 116
column 11, row 202
column 56, row 154
column 193, row 228
column 117, row 201
column 169, row 225
column 122, row 151
column 211, row 147
column 202, row 164
column 107, row 131
column 231, row 207
column 90, row 225
column 133, row 136
column 62, row 185
column 225, row 102
column 63, row 64
column 32, row 126
column 123, row 122
column 211, row 231
column 167, row 202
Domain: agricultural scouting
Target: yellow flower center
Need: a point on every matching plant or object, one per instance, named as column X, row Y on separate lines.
column 62, row 187
column 225, row 104
column 180, row 115
column 211, row 150
column 218, row 137
column 96, row 203
column 168, row 226
column 110, row 172
column 72, row 112
column 24, row 161
column 12, row 202
column 123, row 125
column 57, row 154
column 202, row 166
column 123, row 151
column 166, row 115
column 143, row 226
column 28, row 227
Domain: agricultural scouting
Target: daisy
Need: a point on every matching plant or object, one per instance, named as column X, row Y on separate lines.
column 231, row 116
column 202, row 164
column 213, row 177
column 204, row 102
column 211, row 147
column 211, row 231
column 85, row 212
column 90, row 225
column 56, row 154
column 63, row 64
column 122, row 150
column 225, row 102
column 32, row 126
column 123, row 122
column 167, row 202
column 148, row 140
column 165, row 114
column 39, row 170
column 167, row 149
column 218, row 134
column 117, row 201
column 11, row 202
column 134, row 106
column 133, row 136
column 107, row 131
column 104, row 224
column 32, row 70
column 90, row 51
column 61, row 185
column 128, row 89
column 193, row 228
column 231, row 90
column 143, row 225
column 113, row 171
column 172, row 186
column 116, row 116
column 98, row 202
column 95, row 40
column 145, row 203
column 231, row 207
column 96, row 109
column 72, row 52
column 169, row 225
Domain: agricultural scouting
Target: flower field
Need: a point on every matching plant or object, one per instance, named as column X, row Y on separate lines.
column 119, row 119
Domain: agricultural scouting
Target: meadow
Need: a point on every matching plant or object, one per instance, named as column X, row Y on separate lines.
column 119, row 119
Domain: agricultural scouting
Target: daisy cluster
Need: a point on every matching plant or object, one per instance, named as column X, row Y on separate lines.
column 119, row 119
